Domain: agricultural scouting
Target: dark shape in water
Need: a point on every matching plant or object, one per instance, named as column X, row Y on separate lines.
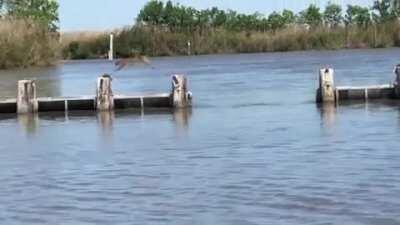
column 122, row 63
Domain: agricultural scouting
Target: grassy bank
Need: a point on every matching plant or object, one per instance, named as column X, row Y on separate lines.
column 158, row 41
column 84, row 45
column 25, row 43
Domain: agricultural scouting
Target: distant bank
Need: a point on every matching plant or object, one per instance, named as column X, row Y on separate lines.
column 156, row 41
column 168, row 29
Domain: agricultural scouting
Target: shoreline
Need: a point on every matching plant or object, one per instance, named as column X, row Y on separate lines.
column 95, row 60
column 233, row 54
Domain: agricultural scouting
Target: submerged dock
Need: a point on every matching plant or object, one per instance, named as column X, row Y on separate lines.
column 104, row 100
column 327, row 92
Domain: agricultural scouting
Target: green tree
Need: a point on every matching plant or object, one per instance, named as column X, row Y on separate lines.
column 395, row 7
column 275, row 21
column 187, row 19
column 357, row 15
column 383, row 9
column 201, row 19
column 333, row 15
column 220, row 18
column 1, row 7
column 288, row 17
column 169, row 15
column 231, row 20
column 43, row 11
column 280, row 20
column 311, row 16
column 152, row 13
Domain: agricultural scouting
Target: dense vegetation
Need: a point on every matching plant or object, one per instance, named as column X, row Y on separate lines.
column 28, row 33
column 166, row 28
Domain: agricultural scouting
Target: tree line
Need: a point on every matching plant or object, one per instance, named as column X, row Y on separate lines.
column 163, row 28
column 28, row 33
column 176, row 17
column 44, row 12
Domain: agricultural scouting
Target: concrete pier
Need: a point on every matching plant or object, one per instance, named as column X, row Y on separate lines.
column 104, row 100
column 328, row 93
column 181, row 98
column 104, row 94
column 365, row 93
column 26, row 97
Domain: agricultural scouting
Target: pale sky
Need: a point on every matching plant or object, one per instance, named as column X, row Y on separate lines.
column 79, row 15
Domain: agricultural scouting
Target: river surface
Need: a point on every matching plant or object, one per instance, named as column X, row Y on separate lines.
column 255, row 148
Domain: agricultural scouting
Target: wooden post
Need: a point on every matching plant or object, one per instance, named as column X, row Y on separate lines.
column 181, row 98
column 326, row 90
column 26, row 97
column 397, row 81
column 104, row 94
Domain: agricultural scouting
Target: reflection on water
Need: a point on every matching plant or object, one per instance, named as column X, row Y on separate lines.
column 29, row 123
column 106, row 119
column 254, row 150
column 182, row 118
column 328, row 114
column 330, row 111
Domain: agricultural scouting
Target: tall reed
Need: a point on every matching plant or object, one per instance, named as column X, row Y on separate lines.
column 160, row 41
column 26, row 43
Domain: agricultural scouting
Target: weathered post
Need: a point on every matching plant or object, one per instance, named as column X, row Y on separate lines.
column 104, row 94
column 26, row 97
column 397, row 81
column 326, row 89
column 180, row 95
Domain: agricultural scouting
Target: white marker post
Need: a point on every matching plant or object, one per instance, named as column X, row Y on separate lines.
column 111, row 51
column 189, row 45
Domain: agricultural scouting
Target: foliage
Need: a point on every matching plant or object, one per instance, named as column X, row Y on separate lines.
column 151, row 14
column 395, row 7
column 176, row 17
column 357, row 15
column 280, row 20
column 42, row 11
column 333, row 15
column 26, row 43
column 383, row 8
column 288, row 17
column 164, row 28
column 311, row 16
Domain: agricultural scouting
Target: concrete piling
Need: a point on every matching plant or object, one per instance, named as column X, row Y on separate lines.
column 26, row 97
column 327, row 92
column 103, row 101
column 104, row 94
column 180, row 95
column 326, row 89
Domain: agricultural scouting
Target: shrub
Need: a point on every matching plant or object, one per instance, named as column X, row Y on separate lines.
column 26, row 43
